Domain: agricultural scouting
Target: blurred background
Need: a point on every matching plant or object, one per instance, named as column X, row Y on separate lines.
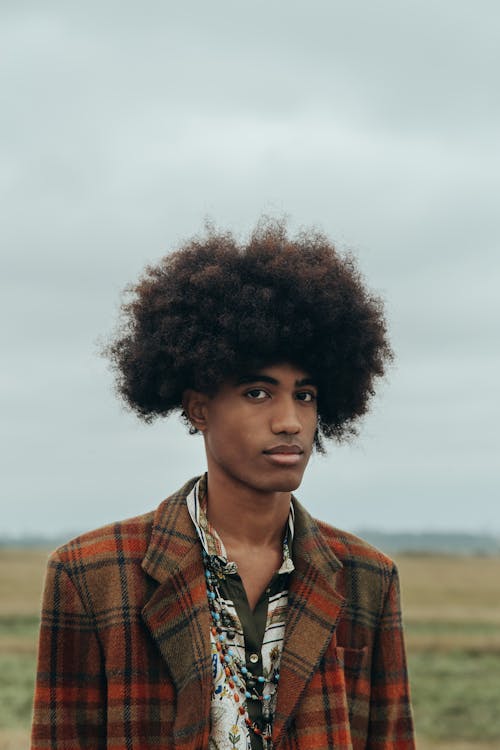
column 124, row 127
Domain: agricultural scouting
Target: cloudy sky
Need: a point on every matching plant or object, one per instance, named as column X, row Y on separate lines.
column 125, row 124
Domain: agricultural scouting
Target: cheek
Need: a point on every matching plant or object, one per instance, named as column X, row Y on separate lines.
column 235, row 442
column 223, row 436
column 310, row 425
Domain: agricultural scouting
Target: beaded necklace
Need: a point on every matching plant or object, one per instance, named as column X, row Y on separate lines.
column 240, row 680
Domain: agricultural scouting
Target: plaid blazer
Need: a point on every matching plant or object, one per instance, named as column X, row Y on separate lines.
column 124, row 659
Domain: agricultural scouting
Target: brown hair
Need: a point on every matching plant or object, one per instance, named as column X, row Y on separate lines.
column 215, row 308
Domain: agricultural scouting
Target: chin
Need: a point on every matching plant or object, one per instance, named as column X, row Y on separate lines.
column 284, row 484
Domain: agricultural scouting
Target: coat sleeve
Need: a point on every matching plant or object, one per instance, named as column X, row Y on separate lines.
column 69, row 703
column 391, row 723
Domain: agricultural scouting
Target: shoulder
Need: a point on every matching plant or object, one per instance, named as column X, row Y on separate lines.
column 345, row 550
column 128, row 539
column 360, row 572
column 367, row 577
column 107, row 572
column 105, row 569
column 89, row 574
column 351, row 550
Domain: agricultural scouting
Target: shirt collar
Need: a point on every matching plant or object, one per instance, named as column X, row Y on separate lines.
column 211, row 541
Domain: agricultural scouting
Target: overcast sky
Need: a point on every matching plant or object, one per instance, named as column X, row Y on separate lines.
column 125, row 124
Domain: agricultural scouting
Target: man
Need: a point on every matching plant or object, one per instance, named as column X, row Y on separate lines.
column 229, row 618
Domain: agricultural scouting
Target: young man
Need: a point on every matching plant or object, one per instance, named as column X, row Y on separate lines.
column 229, row 618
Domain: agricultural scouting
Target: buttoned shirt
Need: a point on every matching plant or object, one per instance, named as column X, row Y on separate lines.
column 258, row 634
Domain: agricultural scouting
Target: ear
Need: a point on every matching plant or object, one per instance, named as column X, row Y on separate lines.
column 194, row 404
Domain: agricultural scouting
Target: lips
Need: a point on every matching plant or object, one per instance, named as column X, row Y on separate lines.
column 284, row 450
column 285, row 455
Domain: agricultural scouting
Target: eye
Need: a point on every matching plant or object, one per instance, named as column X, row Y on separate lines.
column 306, row 396
column 256, row 394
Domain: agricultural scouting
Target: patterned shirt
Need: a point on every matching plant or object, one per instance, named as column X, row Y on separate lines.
column 258, row 635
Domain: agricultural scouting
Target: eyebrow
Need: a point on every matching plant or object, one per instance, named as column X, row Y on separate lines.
column 260, row 378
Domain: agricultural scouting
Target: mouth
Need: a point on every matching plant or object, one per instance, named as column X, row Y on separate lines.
column 284, row 449
column 284, row 455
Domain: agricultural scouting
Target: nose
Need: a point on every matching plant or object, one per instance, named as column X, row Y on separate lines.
column 285, row 418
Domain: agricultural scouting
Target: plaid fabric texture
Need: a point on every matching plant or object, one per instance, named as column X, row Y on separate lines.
column 124, row 658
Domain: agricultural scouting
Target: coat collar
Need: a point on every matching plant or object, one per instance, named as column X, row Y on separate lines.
column 314, row 607
column 178, row 618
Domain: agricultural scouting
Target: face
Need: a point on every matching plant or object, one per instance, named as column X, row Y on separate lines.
column 259, row 431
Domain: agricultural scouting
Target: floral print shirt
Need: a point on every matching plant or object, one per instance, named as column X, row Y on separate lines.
column 228, row 728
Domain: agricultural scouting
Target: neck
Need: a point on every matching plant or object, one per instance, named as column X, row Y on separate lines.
column 244, row 516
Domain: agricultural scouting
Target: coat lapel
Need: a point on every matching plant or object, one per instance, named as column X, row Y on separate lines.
column 314, row 607
column 178, row 619
column 177, row 615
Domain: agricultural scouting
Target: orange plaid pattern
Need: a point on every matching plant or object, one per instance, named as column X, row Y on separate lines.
column 124, row 657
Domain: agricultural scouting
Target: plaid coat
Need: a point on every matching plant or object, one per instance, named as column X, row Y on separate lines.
column 124, row 658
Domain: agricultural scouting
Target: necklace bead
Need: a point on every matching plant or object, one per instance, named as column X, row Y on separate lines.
column 235, row 670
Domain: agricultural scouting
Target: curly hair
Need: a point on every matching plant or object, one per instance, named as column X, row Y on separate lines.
column 215, row 309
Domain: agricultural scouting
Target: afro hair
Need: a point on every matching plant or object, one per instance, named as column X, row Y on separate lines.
column 215, row 309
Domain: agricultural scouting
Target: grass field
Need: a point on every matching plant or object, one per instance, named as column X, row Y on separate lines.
column 452, row 618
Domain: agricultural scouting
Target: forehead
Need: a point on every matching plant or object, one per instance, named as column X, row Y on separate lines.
column 284, row 373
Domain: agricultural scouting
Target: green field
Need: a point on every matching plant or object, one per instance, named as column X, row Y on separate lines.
column 452, row 618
